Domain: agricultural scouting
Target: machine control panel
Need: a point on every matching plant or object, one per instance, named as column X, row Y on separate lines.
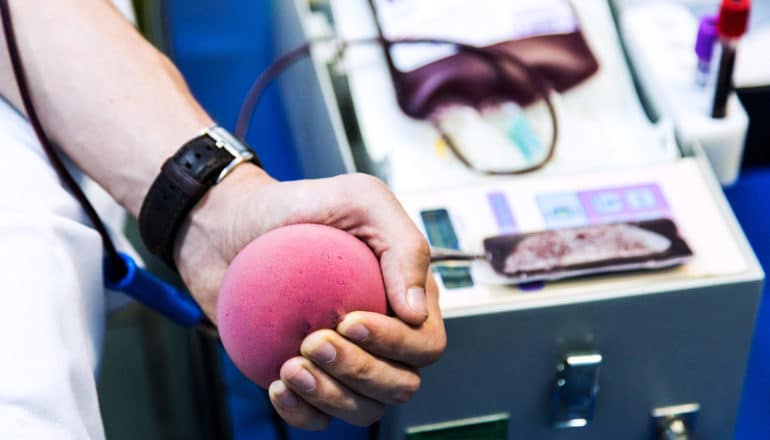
column 637, row 202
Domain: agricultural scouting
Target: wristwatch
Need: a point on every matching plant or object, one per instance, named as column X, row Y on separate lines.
column 183, row 180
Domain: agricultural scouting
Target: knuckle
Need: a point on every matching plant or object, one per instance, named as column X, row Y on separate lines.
column 399, row 345
column 433, row 351
column 330, row 398
column 420, row 248
column 361, row 181
column 349, row 189
column 407, row 390
column 414, row 384
column 438, row 347
column 441, row 343
column 362, row 371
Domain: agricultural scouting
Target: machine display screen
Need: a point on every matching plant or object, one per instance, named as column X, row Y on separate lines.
column 441, row 233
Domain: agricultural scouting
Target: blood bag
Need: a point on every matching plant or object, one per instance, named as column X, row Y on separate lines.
column 576, row 252
column 544, row 34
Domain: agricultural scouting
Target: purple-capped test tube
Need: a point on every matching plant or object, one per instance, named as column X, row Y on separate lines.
column 708, row 35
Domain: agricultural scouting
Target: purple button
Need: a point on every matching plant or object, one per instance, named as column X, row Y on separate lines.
column 502, row 211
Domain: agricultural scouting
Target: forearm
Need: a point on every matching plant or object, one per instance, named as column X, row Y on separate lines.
column 114, row 104
column 118, row 108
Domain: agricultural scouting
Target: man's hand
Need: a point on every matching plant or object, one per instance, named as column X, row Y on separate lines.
column 372, row 359
column 129, row 117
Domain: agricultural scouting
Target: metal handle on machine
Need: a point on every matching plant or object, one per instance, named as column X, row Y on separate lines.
column 675, row 422
column 575, row 389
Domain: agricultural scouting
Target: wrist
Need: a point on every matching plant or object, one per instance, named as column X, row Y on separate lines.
column 208, row 235
column 184, row 180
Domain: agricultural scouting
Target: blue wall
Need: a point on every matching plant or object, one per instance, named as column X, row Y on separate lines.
column 750, row 199
column 221, row 46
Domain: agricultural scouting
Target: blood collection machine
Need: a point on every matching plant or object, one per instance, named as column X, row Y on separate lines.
column 628, row 355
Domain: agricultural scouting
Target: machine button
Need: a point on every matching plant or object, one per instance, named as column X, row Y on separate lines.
column 607, row 203
column 562, row 210
column 641, row 199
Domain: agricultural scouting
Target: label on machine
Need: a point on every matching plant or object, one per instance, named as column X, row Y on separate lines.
column 494, row 427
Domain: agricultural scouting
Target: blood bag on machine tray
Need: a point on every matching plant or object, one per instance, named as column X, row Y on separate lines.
column 639, row 220
column 586, row 250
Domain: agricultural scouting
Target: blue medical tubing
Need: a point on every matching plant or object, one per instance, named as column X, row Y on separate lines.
column 155, row 293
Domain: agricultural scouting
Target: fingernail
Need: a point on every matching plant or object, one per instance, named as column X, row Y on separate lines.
column 324, row 353
column 415, row 298
column 357, row 332
column 285, row 398
column 304, row 380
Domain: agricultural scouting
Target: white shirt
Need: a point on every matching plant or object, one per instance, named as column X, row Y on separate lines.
column 52, row 299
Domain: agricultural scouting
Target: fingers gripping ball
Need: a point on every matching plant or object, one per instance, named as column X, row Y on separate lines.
column 287, row 284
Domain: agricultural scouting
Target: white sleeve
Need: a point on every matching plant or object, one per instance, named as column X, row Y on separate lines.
column 51, row 298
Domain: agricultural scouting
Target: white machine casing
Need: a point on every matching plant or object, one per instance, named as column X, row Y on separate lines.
column 592, row 358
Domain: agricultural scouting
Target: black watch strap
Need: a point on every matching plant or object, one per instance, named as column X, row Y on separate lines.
column 184, row 179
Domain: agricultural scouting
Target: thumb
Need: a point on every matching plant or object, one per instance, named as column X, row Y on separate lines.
column 404, row 271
